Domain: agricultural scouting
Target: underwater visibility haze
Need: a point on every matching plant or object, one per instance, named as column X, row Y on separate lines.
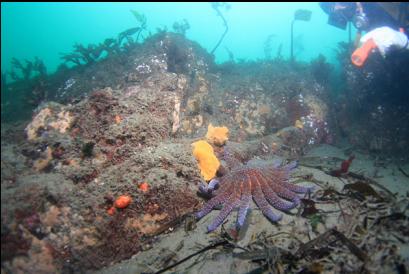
column 210, row 137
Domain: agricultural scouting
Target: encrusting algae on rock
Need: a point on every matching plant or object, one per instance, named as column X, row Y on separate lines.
column 207, row 160
column 299, row 124
column 44, row 161
column 217, row 135
column 56, row 119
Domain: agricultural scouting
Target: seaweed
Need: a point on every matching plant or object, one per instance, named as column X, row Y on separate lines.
column 142, row 21
column 4, row 90
column 268, row 46
column 344, row 167
column 405, row 173
column 181, row 27
column 30, row 85
column 92, row 53
column 279, row 55
column 314, row 220
column 116, row 46
column 330, row 194
column 86, row 55
column 308, row 208
column 71, row 57
column 111, row 46
column 177, row 58
column 230, row 54
column 28, row 69
column 128, row 35
column 321, row 69
column 362, row 190
column 271, row 258
column 207, row 248
column 217, row 6
column 318, row 247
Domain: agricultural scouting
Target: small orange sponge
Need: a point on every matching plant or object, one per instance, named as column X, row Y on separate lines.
column 207, row 161
column 217, row 135
column 122, row 201
column 111, row 210
column 144, row 186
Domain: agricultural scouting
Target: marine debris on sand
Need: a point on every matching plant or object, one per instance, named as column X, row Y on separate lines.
column 106, row 181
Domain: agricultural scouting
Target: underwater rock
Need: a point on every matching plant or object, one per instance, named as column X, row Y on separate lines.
column 294, row 138
column 372, row 110
column 52, row 116
column 37, row 123
column 44, row 161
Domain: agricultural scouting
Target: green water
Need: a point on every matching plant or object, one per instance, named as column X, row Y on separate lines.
column 47, row 29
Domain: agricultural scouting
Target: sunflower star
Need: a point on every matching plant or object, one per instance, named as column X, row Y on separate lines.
column 266, row 184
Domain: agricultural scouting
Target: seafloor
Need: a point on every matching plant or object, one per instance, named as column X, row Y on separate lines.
column 107, row 128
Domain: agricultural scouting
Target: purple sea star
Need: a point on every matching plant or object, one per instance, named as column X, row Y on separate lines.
column 266, row 184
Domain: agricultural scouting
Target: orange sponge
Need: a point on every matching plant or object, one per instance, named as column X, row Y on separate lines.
column 217, row 135
column 207, row 161
column 122, row 201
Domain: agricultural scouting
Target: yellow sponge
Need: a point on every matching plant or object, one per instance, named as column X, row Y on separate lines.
column 217, row 135
column 207, row 161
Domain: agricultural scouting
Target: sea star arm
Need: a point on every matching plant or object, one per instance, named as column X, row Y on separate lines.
column 263, row 204
column 277, row 175
column 207, row 189
column 282, row 192
column 231, row 203
column 290, row 166
column 215, row 201
column 280, row 176
column 244, row 202
column 273, row 198
column 297, row 188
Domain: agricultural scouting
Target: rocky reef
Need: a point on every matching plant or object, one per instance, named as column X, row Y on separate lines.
column 372, row 103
